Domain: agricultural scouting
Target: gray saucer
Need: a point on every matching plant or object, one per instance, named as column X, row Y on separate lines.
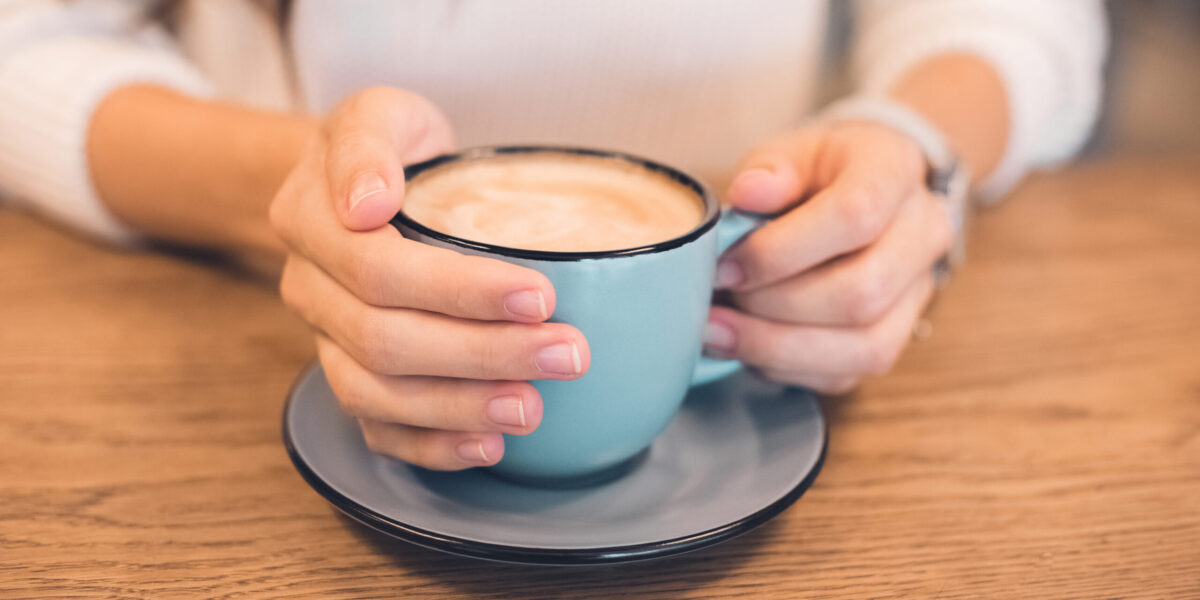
column 740, row 452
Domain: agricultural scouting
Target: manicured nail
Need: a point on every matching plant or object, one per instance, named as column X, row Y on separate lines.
column 559, row 359
column 366, row 185
column 752, row 186
column 719, row 336
column 729, row 275
column 529, row 304
column 507, row 410
column 472, row 451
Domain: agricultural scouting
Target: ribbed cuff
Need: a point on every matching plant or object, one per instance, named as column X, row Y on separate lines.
column 48, row 93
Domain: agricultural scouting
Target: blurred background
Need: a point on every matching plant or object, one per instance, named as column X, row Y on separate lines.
column 1153, row 96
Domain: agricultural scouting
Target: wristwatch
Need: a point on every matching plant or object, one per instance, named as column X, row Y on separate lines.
column 947, row 177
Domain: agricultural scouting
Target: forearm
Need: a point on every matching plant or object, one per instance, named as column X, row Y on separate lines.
column 965, row 98
column 193, row 172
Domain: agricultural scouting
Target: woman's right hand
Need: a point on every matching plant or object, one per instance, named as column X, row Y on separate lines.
column 430, row 349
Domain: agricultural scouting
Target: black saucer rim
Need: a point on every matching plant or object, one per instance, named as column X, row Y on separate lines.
column 529, row 555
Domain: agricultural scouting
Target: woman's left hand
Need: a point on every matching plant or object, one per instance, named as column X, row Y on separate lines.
column 830, row 291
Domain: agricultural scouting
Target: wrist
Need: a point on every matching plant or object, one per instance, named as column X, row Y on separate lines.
column 271, row 148
column 964, row 97
column 192, row 172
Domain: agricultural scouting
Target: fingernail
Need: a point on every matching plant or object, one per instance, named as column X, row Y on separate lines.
column 529, row 304
column 472, row 451
column 753, row 186
column 559, row 359
column 365, row 185
column 507, row 410
column 719, row 336
column 729, row 275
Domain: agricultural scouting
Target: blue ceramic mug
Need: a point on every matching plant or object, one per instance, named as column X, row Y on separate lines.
column 643, row 312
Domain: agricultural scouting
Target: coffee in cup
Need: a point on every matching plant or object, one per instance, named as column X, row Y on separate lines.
column 553, row 202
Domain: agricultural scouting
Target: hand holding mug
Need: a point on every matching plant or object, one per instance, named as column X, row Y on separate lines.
column 430, row 349
column 630, row 246
column 829, row 291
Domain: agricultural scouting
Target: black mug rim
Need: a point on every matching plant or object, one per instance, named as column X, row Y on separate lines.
column 712, row 210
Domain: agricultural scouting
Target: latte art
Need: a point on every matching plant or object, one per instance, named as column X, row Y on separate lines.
column 553, row 202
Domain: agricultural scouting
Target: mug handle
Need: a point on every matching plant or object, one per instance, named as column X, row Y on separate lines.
column 731, row 228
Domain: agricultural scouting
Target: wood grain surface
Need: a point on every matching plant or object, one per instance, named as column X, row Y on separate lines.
column 1043, row 443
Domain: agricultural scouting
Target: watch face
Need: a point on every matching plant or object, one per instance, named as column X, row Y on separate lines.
column 952, row 184
column 939, row 179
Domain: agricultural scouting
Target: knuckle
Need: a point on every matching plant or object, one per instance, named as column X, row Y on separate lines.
column 458, row 287
column 288, row 287
column 864, row 297
column 366, row 277
column 772, row 348
column 420, row 117
column 374, row 346
column 350, row 398
column 447, row 282
column 904, row 152
column 753, row 248
column 421, row 451
column 877, row 356
column 756, row 256
column 354, row 142
column 488, row 357
column 293, row 293
column 285, row 205
column 459, row 301
column 862, row 213
column 372, row 438
column 278, row 213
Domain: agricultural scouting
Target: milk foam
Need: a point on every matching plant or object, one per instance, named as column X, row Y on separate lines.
column 553, row 202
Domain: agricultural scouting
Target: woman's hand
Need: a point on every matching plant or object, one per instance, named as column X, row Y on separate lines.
column 830, row 291
column 428, row 348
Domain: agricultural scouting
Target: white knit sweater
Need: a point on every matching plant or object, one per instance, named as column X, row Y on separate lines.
column 691, row 82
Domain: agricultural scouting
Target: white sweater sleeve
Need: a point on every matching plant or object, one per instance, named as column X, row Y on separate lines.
column 58, row 60
column 1048, row 53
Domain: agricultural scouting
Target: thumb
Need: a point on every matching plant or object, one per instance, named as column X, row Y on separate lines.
column 369, row 138
column 774, row 176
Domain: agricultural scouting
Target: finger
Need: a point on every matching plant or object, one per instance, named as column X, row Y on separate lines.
column 369, row 138
column 857, row 290
column 512, row 407
column 775, row 175
column 818, row 349
column 850, row 212
column 398, row 341
column 383, row 268
column 432, row 448
column 821, row 383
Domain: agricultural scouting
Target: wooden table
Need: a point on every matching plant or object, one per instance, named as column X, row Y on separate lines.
column 1044, row 443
